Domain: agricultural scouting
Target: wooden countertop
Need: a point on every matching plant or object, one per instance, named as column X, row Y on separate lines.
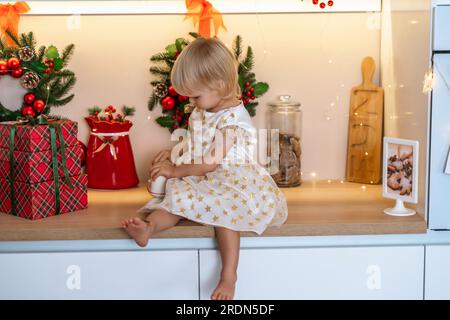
column 315, row 209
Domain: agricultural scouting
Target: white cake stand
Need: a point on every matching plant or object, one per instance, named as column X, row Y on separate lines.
column 399, row 210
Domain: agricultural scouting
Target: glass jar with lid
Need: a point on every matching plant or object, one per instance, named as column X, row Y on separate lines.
column 285, row 125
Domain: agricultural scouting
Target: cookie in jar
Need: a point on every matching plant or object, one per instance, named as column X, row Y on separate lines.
column 286, row 117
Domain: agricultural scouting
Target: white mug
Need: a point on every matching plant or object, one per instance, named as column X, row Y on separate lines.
column 157, row 188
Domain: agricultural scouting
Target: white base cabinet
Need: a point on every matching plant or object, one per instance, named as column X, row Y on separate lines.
column 437, row 272
column 381, row 272
column 100, row 275
column 322, row 273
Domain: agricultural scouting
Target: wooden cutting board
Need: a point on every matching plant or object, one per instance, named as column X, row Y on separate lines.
column 365, row 130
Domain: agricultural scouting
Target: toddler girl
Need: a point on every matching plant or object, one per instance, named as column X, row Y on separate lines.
column 220, row 186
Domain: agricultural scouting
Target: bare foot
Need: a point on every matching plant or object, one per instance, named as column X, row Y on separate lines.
column 225, row 289
column 139, row 230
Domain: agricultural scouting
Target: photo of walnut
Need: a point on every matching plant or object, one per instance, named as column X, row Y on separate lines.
column 400, row 169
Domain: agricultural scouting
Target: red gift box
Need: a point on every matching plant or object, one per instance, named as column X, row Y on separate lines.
column 35, row 188
column 37, row 201
column 36, row 138
column 34, row 167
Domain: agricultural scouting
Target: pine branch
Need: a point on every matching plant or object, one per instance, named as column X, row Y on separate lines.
column 152, row 102
column 23, row 40
column 155, row 83
column 94, row 110
column 195, row 35
column 31, row 41
column 248, row 62
column 251, row 108
column 237, row 47
column 163, row 56
column 64, row 73
column 68, row 53
column 66, row 84
column 57, row 117
column 128, row 111
column 41, row 53
column 62, row 102
column 160, row 71
column 13, row 37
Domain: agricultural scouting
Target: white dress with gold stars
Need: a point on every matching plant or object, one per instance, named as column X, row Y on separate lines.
column 240, row 194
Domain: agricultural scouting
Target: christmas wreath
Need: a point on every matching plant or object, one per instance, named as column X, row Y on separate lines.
column 175, row 107
column 42, row 73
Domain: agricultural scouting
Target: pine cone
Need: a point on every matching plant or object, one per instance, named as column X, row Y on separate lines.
column 30, row 80
column 160, row 90
column 26, row 54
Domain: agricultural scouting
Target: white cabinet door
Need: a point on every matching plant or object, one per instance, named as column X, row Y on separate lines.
column 321, row 273
column 437, row 272
column 441, row 28
column 100, row 275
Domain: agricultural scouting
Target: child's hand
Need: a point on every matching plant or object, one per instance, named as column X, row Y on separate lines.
column 162, row 156
column 162, row 169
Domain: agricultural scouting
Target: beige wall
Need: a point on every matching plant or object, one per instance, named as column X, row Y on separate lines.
column 314, row 57
column 405, row 60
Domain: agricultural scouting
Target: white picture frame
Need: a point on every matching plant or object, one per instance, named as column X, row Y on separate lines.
column 400, row 173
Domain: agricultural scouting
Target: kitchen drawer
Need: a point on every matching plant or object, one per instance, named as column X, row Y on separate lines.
column 100, row 275
column 437, row 272
column 322, row 273
column 441, row 28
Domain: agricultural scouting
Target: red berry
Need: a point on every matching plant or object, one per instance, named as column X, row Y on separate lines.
column 17, row 73
column 47, row 71
column 38, row 105
column 249, row 93
column 322, row 5
column 28, row 111
column 315, row 1
column 4, row 69
column 253, row 97
column 51, row 65
column 247, row 84
column 174, row 117
column 252, row 89
column 29, row 98
column 13, row 63
column 330, row 3
column 182, row 98
column 180, row 118
column 245, row 100
column 172, row 91
column 168, row 103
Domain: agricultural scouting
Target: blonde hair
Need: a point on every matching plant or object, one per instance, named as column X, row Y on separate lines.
column 206, row 62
